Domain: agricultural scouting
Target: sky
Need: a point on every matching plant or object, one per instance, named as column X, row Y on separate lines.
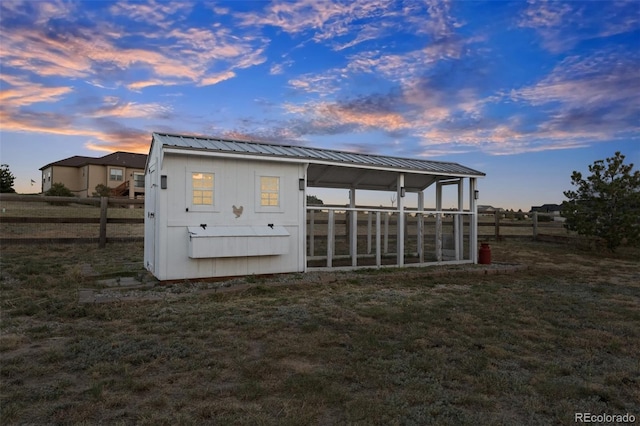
column 524, row 91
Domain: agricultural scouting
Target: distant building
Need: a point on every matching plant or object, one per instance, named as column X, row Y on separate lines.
column 489, row 209
column 550, row 209
column 547, row 208
column 123, row 172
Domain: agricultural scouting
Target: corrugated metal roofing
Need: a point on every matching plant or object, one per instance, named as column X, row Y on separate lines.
column 314, row 155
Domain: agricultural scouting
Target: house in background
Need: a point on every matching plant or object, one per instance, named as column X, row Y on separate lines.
column 554, row 210
column 485, row 209
column 547, row 208
column 123, row 172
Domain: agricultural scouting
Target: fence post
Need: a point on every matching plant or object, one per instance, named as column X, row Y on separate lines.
column 497, row 218
column 330, row 239
column 104, row 202
column 312, row 233
column 369, row 218
column 535, row 225
column 353, row 241
column 386, row 232
column 378, row 248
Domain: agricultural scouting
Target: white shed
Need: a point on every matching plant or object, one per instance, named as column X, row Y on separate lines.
column 216, row 208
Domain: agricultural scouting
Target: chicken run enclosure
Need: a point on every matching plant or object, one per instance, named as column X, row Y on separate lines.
column 427, row 238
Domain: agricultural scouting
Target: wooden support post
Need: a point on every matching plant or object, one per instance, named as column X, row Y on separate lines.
column 386, row 232
column 438, row 221
column 369, row 218
column 459, row 225
column 378, row 248
column 330, row 239
column 353, row 228
column 473, row 221
column 312, row 229
column 497, row 225
column 535, row 225
column 401, row 219
column 104, row 203
column 420, row 225
column 354, row 238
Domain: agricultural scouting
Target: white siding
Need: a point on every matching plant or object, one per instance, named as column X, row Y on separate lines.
column 235, row 189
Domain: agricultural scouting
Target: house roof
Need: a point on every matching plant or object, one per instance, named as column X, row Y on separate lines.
column 120, row 158
column 546, row 208
column 328, row 168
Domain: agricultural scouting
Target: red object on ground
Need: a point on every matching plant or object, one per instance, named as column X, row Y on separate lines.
column 485, row 254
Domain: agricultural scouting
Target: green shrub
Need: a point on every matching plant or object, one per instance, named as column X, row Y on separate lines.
column 102, row 190
column 59, row 190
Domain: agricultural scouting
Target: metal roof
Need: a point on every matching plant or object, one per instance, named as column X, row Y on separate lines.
column 331, row 168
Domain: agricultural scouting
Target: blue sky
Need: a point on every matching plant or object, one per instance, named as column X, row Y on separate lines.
column 526, row 92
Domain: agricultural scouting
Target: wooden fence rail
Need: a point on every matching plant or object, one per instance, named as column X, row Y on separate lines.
column 491, row 226
column 104, row 203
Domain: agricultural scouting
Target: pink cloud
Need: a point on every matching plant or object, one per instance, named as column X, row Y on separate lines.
column 23, row 93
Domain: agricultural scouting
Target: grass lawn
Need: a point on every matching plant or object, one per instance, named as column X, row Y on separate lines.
column 367, row 347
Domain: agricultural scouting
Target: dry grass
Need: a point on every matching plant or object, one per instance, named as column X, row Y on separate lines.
column 367, row 347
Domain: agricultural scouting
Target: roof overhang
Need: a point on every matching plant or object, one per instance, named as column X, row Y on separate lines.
column 338, row 176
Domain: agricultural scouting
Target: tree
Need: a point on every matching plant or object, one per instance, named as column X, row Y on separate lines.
column 313, row 200
column 6, row 179
column 59, row 190
column 102, row 190
column 607, row 203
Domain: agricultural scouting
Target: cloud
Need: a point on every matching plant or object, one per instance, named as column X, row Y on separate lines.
column 103, row 135
column 440, row 44
column 543, row 14
column 116, row 137
column 107, row 136
column 328, row 19
column 582, row 101
column 322, row 84
column 115, row 107
column 162, row 14
column 375, row 112
column 37, row 122
column 598, row 93
column 279, row 67
column 215, row 79
column 366, row 33
column 563, row 25
column 23, row 93
column 61, row 44
column 137, row 86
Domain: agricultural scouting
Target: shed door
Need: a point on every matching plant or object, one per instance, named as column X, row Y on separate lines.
column 150, row 219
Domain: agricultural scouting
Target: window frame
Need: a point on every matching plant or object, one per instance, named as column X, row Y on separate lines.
column 135, row 182
column 214, row 207
column 258, row 194
column 121, row 170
